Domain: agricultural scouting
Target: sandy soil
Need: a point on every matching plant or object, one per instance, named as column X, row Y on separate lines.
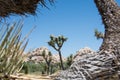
column 32, row 77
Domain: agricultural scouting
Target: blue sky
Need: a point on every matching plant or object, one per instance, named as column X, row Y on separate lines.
column 75, row 19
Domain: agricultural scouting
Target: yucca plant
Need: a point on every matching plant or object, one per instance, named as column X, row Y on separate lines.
column 11, row 49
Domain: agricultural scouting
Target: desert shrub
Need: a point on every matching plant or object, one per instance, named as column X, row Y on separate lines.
column 25, row 68
column 40, row 68
column 31, row 67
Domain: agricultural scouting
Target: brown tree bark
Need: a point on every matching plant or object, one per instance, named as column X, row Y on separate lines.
column 110, row 13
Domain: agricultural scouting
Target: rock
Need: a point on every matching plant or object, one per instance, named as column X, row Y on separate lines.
column 36, row 56
column 97, row 66
column 83, row 53
column 56, row 58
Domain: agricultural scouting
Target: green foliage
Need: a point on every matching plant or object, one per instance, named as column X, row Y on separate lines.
column 31, row 67
column 25, row 68
column 11, row 48
column 49, row 54
column 99, row 35
column 55, row 67
column 69, row 60
column 41, row 68
column 57, row 42
column 43, row 54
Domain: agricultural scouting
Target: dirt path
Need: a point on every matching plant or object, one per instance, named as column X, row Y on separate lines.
column 32, row 77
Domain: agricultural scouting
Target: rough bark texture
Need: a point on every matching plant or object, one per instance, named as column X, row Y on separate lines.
column 110, row 12
column 103, row 65
column 61, row 61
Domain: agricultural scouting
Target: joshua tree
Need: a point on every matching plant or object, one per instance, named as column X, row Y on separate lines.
column 57, row 43
column 110, row 12
column 48, row 59
column 99, row 35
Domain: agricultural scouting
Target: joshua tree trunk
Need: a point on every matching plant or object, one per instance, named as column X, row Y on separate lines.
column 48, row 72
column 61, row 61
column 110, row 13
column 48, row 68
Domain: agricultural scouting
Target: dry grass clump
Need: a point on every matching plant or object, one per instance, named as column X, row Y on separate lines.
column 21, row 7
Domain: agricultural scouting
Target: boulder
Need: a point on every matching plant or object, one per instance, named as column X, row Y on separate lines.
column 36, row 56
column 82, row 53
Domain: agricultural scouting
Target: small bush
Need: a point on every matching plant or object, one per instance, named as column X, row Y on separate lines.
column 30, row 67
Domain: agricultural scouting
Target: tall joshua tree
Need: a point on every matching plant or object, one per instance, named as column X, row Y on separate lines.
column 110, row 13
column 57, row 43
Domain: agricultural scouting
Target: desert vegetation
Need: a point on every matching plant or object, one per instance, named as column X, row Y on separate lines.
column 57, row 43
column 101, row 65
column 43, row 68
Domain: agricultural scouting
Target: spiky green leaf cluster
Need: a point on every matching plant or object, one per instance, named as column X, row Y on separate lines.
column 99, row 35
column 47, row 56
column 11, row 48
column 57, row 42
